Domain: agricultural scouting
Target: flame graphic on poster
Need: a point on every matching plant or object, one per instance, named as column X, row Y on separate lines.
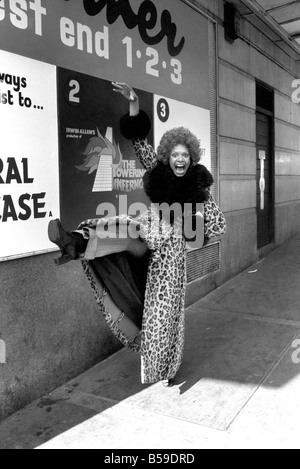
column 104, row 156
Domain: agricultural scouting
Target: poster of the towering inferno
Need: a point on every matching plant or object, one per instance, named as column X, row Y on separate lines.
column 97, row 164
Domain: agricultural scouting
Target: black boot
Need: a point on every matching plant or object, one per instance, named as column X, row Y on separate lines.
column 168, row 383
column 72, row 245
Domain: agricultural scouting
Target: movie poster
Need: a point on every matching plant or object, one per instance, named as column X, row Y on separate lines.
column 29, row 177
column 97, row 164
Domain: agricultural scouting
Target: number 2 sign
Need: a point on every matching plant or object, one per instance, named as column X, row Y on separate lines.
column 71, row 91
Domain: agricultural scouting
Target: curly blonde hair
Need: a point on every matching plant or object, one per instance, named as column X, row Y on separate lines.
column 176, row 136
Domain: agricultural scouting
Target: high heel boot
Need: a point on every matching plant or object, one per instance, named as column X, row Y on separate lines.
column 168, row 383
column 71, row 245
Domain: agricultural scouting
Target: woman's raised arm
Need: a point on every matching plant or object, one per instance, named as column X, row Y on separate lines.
column 130, row 94
column 136, row 125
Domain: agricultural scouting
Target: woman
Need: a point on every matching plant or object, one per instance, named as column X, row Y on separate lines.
column 139, row 281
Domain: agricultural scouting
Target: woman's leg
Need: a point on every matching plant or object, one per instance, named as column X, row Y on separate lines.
column 126, row 325
column 113, row 275
column 118, row 239
column 86, row 244
column 120, row 324
column 124, row 278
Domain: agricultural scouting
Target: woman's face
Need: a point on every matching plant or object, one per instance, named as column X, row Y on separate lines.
column 180, row 160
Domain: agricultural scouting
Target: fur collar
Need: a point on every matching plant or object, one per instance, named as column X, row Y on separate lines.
column 162, row 185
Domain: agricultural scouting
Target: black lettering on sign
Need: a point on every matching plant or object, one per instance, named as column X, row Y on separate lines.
column 145, row 19
column 9, row 209
column 16, row 81
column 29, row 205
column 13, row 172
column 1, row 169
column 27, row 179
column 23, row 206
column 37, row 205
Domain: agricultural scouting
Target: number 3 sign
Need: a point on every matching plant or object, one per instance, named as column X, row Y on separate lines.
column 163, row 110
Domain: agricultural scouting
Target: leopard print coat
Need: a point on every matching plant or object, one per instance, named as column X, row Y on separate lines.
column 164, row 305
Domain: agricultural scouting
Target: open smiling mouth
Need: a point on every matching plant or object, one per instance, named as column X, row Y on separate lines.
column 180, row 168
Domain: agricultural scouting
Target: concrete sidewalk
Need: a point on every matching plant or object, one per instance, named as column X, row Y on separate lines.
column 238, row 386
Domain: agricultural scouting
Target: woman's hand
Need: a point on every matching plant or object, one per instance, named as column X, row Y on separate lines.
column 128, row 93
column 125, row 90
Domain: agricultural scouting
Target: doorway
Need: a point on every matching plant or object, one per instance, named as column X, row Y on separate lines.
column 264, row 165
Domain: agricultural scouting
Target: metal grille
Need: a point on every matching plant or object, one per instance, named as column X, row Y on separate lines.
column 203, row 261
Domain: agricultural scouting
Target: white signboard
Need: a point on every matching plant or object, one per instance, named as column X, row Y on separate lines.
column 29, row 174
column 170, row 113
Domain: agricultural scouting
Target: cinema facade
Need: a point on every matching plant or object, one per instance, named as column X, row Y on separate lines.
column 226, row 73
